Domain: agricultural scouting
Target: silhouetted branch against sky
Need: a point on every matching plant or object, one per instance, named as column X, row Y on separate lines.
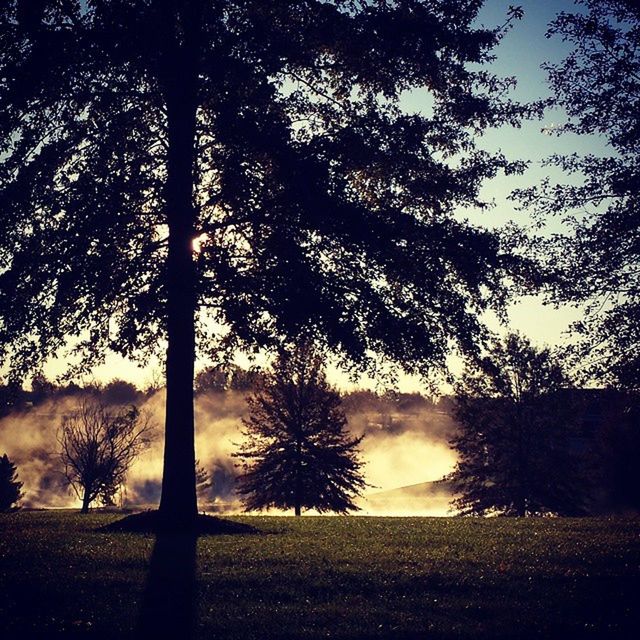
column 597, row 259
column 513, row 58
column 308, row 177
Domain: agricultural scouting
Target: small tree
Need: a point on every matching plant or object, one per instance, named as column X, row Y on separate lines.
column 297, row 453
column 204, row 482
column 98, row 445
column 9, row 485
column 516, row 419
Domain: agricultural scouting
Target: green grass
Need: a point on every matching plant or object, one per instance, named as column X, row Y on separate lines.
column 322, row 577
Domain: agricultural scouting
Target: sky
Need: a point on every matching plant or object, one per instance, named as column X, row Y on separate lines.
column 520, row 54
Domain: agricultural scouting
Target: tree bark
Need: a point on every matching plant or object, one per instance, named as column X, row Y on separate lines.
column 85, row 502
column 178, row 504
column 297, row 489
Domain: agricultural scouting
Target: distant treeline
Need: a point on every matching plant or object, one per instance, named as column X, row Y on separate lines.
column 14, row 397
column 603, row 436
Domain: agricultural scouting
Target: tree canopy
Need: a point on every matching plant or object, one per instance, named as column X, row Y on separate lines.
column 323, row 203
column 597, row 261
column 515, row 438
column 298, row 453
column 269, row 137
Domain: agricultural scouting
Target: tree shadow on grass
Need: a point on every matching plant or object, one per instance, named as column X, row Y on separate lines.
column 169, row 601
column 169, row 604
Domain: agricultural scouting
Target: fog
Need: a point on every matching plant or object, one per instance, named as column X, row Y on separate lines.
column 402, row 448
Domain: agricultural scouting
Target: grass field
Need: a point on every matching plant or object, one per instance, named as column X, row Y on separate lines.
column 321, row 577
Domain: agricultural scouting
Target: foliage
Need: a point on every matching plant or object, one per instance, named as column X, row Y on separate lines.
column 11, row 396
column 516, row 422
column 98, row 445
column 42, row 389
column 211, row 379
column 228, row 377
column 365, row 400
column 9, row 484
column 300, row 150
column 598, row 85
column 297, row 453
column 618, row 454
column 245, row 380
column 119, row 392
column 360, row 400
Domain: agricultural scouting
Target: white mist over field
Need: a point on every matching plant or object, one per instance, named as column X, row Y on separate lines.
column 405, row 449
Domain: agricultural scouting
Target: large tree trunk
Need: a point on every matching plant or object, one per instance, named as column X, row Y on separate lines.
column 178, row 504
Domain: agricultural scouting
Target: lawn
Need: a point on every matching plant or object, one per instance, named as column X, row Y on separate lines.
column 321, row 577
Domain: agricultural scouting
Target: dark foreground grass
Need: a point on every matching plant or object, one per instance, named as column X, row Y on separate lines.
column 316, row 577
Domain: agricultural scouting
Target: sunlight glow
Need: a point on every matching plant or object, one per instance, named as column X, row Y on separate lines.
column 199, row 241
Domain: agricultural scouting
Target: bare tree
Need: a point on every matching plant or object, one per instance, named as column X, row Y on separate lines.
column 98, row 444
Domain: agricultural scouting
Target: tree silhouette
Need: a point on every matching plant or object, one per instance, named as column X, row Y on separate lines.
column 297, row 453
column 269, row 137
column 9, row 484
column 42, row 389
column 211, row 379
column 11, row 397
column 598, row 263
column 514, row 443
column 204, row 481
column 97, row 446
column 119, row 392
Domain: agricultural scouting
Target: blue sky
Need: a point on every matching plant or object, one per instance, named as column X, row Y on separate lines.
column 521, row 54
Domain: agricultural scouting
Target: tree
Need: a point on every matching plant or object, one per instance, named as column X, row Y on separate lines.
column 598, row 262
column 98, row 445
column 514, row 443
column 9, row 485
column 12, row 397
column 230, row 377
column 211, row 379
column 297, row 453
column 42, row 389
column 120, row 392
column 243, row 169
column 204, row 482
column 245, row 380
